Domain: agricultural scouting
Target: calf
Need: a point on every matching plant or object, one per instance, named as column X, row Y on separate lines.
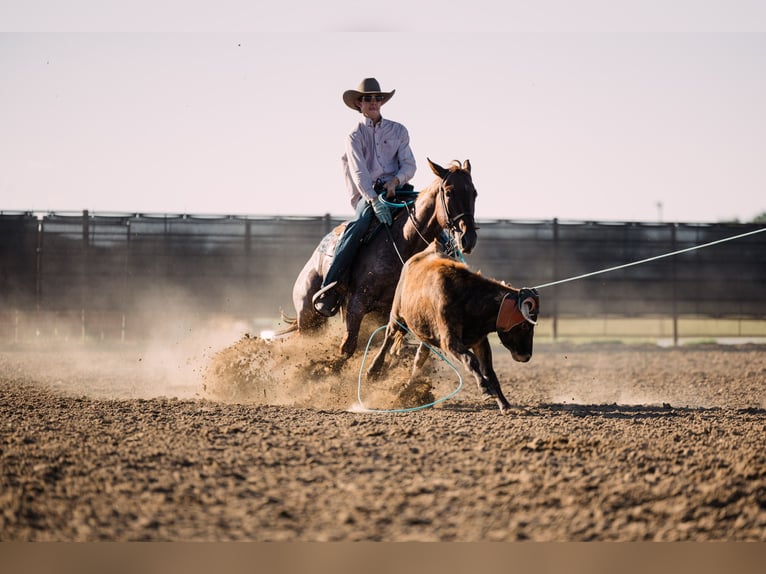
column 446, row 305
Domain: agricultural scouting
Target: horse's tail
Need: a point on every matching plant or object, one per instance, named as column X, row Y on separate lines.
column 292, row 324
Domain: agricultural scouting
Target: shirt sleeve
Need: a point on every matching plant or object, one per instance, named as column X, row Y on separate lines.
column 407, row 163
column 357, row 165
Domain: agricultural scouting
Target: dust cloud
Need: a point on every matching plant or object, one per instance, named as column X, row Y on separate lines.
column 305, row 371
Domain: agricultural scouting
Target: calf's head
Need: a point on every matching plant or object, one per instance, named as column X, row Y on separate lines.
column 516, row 322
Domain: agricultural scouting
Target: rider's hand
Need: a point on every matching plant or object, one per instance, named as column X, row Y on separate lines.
column 382, row 212
column 391, row 188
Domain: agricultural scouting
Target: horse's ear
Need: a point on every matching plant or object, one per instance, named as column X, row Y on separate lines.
column 467, row 166
column 437, row 169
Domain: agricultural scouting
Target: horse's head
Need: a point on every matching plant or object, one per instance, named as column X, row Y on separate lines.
column 457, row 201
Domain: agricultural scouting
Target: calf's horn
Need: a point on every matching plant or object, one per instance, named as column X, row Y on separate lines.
column 528, row 310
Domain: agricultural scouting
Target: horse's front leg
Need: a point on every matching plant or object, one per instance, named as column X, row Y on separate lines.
column 354, row 315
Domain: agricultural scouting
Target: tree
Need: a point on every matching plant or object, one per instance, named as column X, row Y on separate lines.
column 760, row 218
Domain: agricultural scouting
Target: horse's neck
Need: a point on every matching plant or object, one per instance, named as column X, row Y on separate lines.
column 423, row 226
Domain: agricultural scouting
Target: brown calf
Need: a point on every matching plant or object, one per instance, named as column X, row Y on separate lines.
column 446, row 305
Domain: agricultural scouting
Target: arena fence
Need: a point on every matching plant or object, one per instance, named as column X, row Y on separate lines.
column 117, row 276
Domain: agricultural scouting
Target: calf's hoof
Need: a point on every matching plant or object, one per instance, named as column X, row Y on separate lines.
column 503, row 405
column 487, row 392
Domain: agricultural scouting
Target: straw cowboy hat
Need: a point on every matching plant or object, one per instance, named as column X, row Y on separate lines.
column 367, row 86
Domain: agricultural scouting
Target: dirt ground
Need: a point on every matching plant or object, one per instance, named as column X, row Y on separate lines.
column 267, row 441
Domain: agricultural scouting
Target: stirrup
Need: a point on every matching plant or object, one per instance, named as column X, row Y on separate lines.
column 328, row 307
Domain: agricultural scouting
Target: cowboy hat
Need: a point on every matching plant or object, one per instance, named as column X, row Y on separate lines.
column 367, row 86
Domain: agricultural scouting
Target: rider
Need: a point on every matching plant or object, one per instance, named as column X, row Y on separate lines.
column 376, row 150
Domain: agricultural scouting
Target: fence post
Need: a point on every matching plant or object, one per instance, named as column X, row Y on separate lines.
column 555, row 278
column 674, row 286
column 248, row 239
column 38, row 273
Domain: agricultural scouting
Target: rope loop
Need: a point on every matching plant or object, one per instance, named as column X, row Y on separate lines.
column 411, row 409
column 401, row 194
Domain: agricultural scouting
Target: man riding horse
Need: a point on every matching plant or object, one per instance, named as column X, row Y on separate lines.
column 377, row 158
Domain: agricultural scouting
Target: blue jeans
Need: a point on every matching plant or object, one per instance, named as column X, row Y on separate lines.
column 349, row 242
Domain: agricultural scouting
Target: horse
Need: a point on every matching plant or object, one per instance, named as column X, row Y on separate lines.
column 446, row 204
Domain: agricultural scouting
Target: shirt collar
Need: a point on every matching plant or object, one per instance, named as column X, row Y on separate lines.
column 368, row 121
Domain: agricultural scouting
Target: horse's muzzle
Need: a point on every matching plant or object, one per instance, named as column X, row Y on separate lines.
column 468, row 240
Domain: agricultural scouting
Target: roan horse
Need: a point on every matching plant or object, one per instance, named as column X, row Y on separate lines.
column 445, row 204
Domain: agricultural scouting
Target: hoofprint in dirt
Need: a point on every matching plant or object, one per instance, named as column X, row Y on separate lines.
column 617, row 443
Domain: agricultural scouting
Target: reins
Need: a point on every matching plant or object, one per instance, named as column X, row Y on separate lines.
column 453, row 249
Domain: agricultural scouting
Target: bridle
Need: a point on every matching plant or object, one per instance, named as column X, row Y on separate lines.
column 452, row 221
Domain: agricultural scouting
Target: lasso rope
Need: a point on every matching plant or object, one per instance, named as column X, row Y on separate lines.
column 410, row 409
column 647, row 260
column 404, row 203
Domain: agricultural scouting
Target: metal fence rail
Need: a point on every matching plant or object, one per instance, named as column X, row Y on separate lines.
column 80, row 275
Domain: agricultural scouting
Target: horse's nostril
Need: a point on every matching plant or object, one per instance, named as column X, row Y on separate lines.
column 468, row 241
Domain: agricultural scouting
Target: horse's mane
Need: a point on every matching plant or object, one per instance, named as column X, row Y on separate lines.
column 455, row 165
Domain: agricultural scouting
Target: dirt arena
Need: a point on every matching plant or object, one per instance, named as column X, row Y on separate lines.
column 266, row 441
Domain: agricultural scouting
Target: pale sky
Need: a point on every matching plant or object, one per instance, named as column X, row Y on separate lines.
column 591, row 113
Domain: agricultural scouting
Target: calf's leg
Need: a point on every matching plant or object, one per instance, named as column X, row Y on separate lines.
column 380, row 359
column 461, row 353
column 421, row 356
column 483, row 352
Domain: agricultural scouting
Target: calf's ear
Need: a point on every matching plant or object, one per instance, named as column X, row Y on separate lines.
column 467, row 166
